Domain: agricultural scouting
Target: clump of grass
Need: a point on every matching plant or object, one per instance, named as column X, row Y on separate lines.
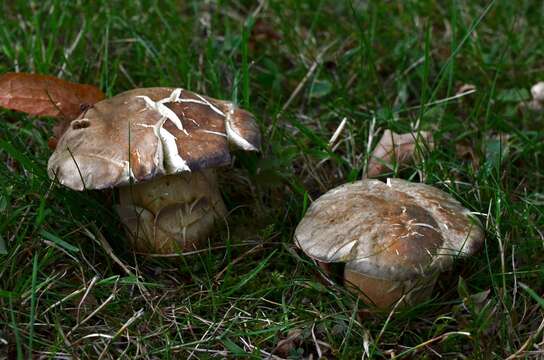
column 301, row 67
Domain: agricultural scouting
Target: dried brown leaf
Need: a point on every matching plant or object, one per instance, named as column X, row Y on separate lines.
column 263, row 33
column 291, row 342
column 466, row 151
column 396, row 148
column 43, row 95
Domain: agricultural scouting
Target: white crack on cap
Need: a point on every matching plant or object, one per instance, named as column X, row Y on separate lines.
column 175, row 97
column 173, row 161
column 162, row 109
column 233, row 133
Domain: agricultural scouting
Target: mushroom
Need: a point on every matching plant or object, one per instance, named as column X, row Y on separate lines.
column 537, row 92
column 394, row 238
column 159, row 146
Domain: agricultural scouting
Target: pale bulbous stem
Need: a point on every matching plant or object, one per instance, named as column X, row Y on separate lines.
column 172, row 214
column 384, row 293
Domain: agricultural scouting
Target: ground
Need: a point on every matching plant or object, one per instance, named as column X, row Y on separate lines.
column 301, row 67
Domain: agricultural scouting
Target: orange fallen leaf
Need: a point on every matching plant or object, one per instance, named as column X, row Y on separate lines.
column 43, row 95
column 396, row 148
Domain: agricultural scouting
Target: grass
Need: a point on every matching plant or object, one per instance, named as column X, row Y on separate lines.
column 301, row 67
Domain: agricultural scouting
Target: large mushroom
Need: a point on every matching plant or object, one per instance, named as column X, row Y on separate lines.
column 394, row 238
column 160, row 147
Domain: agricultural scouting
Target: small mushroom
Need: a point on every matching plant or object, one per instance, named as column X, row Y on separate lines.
column 393, row 237
column 160, row 147
column 537, row 91
column 537, row 103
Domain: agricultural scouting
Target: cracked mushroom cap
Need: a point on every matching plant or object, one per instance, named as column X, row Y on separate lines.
column 394, row 231
column 150, row 132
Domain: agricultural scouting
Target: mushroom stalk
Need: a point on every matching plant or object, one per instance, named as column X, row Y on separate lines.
column 384, row 293
column 172, row 213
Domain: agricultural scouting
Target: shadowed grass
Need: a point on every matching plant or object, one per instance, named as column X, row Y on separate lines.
column 301, row 67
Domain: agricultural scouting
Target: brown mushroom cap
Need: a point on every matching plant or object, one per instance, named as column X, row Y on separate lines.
column 144, row 133
column 394, row 231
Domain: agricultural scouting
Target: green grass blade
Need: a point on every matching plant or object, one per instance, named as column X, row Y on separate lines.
column 533, row 294
column 57, row 240
column 32, row 319
column 15, row 327
column 249, row 276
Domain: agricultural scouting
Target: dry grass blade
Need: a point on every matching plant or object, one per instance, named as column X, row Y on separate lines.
column 300, row 86
column 430, row 341
column 527, row 343
column 442, row 101
column 338, row 131
column 95, row 311
column 89, row 287
column 125, row 326
column 107, row 248
column 317, row 347
column 64, row 299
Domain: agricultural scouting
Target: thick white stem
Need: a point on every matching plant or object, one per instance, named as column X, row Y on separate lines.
column 173, row 213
